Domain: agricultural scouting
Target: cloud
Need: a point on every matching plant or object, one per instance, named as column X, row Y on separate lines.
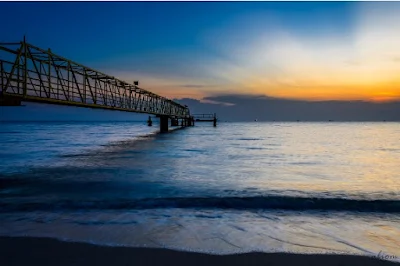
column 207, row 100
column 264, row 108
column 396, row 58
column 193, row 86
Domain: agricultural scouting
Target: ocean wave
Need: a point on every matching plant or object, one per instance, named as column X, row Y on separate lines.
column 238, row 203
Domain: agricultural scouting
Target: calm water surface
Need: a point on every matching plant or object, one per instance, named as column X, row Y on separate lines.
column 295, row 187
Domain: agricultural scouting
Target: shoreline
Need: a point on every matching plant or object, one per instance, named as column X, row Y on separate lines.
column 49, row 251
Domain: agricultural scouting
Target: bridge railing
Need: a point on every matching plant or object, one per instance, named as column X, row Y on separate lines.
column 35, row 74
column 204, row 116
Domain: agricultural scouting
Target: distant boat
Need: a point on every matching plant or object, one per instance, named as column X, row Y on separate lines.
column 255, row 120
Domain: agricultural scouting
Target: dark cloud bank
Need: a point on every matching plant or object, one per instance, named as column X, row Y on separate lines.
column 263, row 108
column 227, row 107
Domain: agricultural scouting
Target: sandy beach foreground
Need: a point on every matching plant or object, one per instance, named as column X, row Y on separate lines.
column 45, row 251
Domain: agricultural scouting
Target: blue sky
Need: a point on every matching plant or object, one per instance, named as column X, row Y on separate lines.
column 125, row 28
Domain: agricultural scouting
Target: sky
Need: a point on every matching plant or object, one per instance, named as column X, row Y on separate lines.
column 298, row 51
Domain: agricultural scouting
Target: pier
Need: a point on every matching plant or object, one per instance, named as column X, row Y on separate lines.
column 206, row 118
column 29, row 73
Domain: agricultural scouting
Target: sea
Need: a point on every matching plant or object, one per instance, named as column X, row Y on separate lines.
column 300, row 187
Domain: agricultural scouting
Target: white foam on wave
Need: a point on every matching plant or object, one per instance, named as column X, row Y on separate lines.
column 233, row 232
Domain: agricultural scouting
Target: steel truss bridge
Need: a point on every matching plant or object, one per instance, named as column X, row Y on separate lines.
column 29, row 73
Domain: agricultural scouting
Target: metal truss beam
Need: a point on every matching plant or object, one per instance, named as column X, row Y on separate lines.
column 30, row 73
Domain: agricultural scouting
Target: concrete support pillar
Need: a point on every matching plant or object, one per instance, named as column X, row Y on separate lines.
column 149, row 122
column 174, row 122
column 182, row 124
column 9, row 101
column 163, row 123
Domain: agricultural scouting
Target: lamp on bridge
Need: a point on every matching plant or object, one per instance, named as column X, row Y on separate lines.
column 136, row 82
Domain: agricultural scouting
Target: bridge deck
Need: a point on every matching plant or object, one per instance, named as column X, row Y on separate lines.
column 205, row 118
column 29, row 73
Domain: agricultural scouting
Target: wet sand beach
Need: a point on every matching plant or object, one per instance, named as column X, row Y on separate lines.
column 46, row 251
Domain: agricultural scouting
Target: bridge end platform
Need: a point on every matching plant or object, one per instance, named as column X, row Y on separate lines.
column 206, row 118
